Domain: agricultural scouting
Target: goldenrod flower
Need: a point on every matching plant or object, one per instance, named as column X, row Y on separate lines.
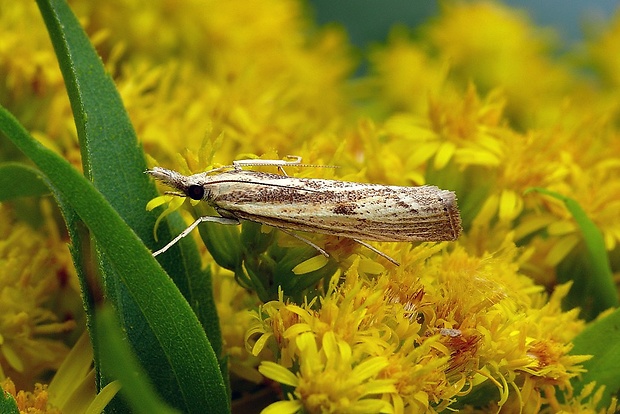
column 472, row 102
column 331, row 379
column 406, row 75
column 35, row 402
column 32, row 85
column 601, row 43
column 233, row 304
column 445, row 325
column 33, row 268
column 466, row 37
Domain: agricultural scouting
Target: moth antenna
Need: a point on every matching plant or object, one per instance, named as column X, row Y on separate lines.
column 268, row 164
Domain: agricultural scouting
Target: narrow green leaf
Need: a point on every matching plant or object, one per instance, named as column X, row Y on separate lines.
column 187, row 352
column 599, row 275
column 601, row 339
column 20, row 180
column 118, row 360
column 114, row 162
column 193, row 281
column 7, row 403
column 80, row 249
column 222, row 241
column 111, row 156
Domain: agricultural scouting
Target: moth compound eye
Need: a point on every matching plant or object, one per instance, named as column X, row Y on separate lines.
column 195, row 192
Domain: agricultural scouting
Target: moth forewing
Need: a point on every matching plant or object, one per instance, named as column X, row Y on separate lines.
column 347, row 209
column 353, row 210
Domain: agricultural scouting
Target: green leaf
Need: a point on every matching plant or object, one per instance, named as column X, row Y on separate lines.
column 597, row 273
column 188, row 356
column 222, row 241
column 20, row 180
column 120, row 363
column 7, row 403
column 114, row 161
column 601, row 339
column 111, row 155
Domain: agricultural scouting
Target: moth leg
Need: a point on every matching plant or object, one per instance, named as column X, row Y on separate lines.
column 280, row 164
column 379, row 252
column 289, row 160
column 188, row 230
column 293, row 159
column 282, row 171
column 303, row 239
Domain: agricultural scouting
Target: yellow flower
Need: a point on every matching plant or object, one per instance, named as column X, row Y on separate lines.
column 34, row 272
column 33, row 89
column 260, row 91
column 219, row 79
column 331, row 379
column 405, row 75
column 35, row 402
column 73, row 387
column 233, row 304
column 258, row 98
column 464, row 130
column 467, row 140
column 447, row 323
column 466, row 36
column 599, row 48
column 587, row 402
column 512, row 337
column 586, row 175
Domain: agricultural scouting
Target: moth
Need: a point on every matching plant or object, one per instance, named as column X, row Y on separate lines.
column 358, row 211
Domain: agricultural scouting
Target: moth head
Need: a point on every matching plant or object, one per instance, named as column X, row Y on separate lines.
column 184, row 184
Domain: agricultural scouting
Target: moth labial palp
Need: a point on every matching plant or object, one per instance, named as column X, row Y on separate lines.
column 358, row 211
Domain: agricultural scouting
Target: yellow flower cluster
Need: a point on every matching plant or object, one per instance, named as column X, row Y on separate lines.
column 473, row 102
column 35, row 402
column 420, row 337
column 36, row 273
column 530, row 127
